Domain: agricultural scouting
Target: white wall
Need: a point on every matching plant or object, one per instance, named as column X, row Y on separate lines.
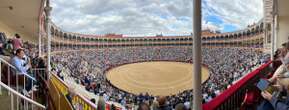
column 283, row 31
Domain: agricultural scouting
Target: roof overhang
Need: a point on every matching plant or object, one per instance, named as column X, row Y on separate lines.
column 21, row 15
column 283, row 8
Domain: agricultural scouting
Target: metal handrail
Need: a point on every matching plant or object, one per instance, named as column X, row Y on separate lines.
column 22, row 96
column 7, row 63
column 2, row 60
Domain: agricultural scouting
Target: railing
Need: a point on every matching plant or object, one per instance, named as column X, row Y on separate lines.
column 232, row 98
column 81, row 103
column 59, row 93
column 77, row 101
column 13, row 84
column 9, row 98
column 59, row 88
column 60, row 100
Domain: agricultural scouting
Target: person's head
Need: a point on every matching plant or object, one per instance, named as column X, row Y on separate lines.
column 285, row 45
column 180, row 106
column 20, row 53
column 17, row 36
column 283, row 51
column 162, row 100
column 92, row 100
column 143, row 106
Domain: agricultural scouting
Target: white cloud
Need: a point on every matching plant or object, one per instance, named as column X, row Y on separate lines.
column 236, row 12
column 149, row 16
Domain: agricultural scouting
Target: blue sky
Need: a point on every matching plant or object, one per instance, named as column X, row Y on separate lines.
column 152, row 17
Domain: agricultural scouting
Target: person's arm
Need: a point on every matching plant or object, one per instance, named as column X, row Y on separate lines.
column 277, row 104
column 280, row 70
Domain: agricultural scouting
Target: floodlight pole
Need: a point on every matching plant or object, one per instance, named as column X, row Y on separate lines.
column 197, row 52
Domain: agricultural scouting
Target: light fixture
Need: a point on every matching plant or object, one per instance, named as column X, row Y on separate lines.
column 10, row 8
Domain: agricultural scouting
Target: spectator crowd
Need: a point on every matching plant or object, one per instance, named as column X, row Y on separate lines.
column 88, row 68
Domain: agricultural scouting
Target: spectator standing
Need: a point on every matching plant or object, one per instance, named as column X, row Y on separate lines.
column 17, row 43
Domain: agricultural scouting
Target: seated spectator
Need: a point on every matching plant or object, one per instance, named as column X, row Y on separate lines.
column 163, row 105
column 8, row 48
column 22, row 68
column 143, row 106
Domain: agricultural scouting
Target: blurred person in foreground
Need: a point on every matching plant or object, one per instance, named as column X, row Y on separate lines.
column 282, row 55
column 278, row 100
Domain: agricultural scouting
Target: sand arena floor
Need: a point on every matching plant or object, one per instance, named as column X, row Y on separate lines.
column 158, row 78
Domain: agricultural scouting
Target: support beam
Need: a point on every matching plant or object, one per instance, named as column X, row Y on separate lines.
column 197, row 52
column 39, row 41
column 48, row 27
column 273, row 39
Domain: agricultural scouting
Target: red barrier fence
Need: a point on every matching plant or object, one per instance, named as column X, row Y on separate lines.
column 232, row 98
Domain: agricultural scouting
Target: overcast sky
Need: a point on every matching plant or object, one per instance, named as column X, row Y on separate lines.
column 152, row 16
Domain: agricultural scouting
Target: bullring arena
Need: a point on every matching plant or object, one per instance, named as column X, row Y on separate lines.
column 158, row 78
